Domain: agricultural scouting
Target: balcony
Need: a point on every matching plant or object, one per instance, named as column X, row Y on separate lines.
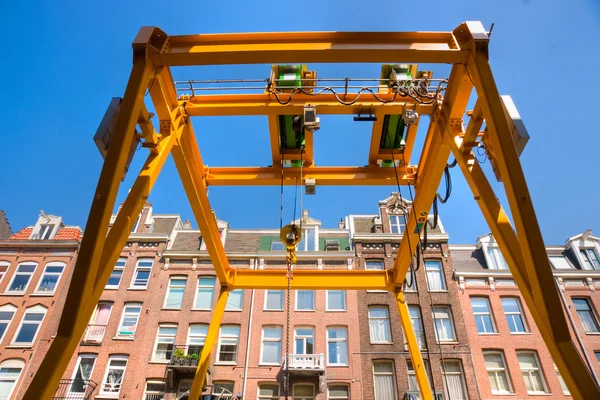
column 74, row 389
column 185, row 358
column 306, row 364
column 94, row 334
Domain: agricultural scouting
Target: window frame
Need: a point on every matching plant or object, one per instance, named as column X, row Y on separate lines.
column 345, row 305
column 421, row 339
column 8, row 307
column 454, row 339
column 340, row 384
column 296, row 302
column 14, row 275
column 112, row 357
column 410, row 371
column 304, row 240
column 489, row 313
column 387, row 318
column 461, row 373
column 401, row 227
column 585, row 257
column 428, row 270
column 219, row 343
column 264, row 339
column 45, row 272
column 37, row 309
column 195, row 336
column 276, row 242
column 154, row 381
column 561, row 381
column 138, row 267
column 336, row 340
column 299, row 396
column 392, row 374
column 117, row 267
column 494, row 254
column 78, row 364
column 267, row 298
column 4, row 265
column 304, row 338
column 120, row 326
column 157, row 342
column 369, row 263
column 241, row 307
column 504, row 369
column 200, row 287
column 520, row 313
column 265, row 397
column 539, row 369
column 170, row 286
column 590, row 310
column 223, row 382
column 11, row 363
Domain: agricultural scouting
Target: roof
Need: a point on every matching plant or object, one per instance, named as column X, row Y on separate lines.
column 5, row 231
column 363, row 224
column 187, row 240
column 163, row 225
column 23, row 234
column 65, row 233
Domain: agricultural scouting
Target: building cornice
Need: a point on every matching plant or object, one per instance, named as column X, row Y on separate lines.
column 394, row 237
column 39, row 243
column 149, row 237
column 268, row 255
column 507, row 274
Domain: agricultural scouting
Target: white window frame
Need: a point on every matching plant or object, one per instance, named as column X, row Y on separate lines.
column 24, row 263
column 328, row 308
column 330, row 397
column 496, row 371
column 267, row 296
column 563, row 385
column 419, row 330
column 132, row 286
column 387, row 318
column 119, row 357
column 264, row 339
column 410, row 371
column 430, row 271
column 139, row 316
column 277, row 242
column 314, row 299
column 45, row 272
column 302, row 397
column 157, row 342
column 7, row 308
column 400, row 227
column 264, row 397
column 392, row 374
column 304, row 338
column 237, row 344
column 489, row 313
column 413, row 281
column 304, row 240
column 12, row 363
column 39, row 309
column 560, row 262
column 233, row 307
column 4, row 265
column 82, row 355
column 155, row 393
column 461, row 373
column 337, row 340
column 590, row 310
column 584, row 254
column 380, row 267
column 511, row 314
column 117, row 267
column 200, row 287
column 223, row 382
column 453, row 339
column 538, row 369
column 495, row 257
column 44, row 232
column 170, row 286
column 200, row 337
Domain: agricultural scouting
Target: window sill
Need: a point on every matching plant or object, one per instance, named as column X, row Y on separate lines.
column 539, row 394
column 125, row 338
column 503, row 394
column 170, row 309
column 269, row 365
column 384, row 343
column 158, row 362
column 335, row 310
column 13, row 294
column 264, row 309
column 234, row 310
column 592, row 333
column 377, row 291
column 136, row 288
column 447, row 342
column 225, row 363
column 488, row 333
column 107, row 396
column 522, row 333
column 439, row 291
column 337, row 365
column 111, row 288
column 304, row 310
column 20, row 346
column 201, row 309
column 42, row 294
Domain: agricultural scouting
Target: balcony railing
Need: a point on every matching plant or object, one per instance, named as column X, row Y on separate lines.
column 94, row 334
column 314, row 362
column 74, row 389
column 185, row 356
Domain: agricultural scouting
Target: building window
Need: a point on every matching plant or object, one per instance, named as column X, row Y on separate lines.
column 532, row 373
column 271, row 345
column 586, row 315
column 129, row 321
column 514, row 315
column 483, row 315
column 155, row 390
column 337, row 346
column 309, row 240
column 196, row 338
column 332, row 245
column 302, row 391
column 590, row 259
column 597, row 353
column 175, row 292
column 384, row 380
column 375, row 265
column 336, row 300
column 268, row 391
column 115, row 277
column 50, row 277
column 165, row 341
column 223, row 389
column 563, row 385
column 3, row 268
column 234, row 300
column 304, row 341
column 444, row 328
column 277, row 246
column 410, row 283
column 559, row 262
column 229, row 337
column 185, row 385
column 453, row 378
column 21, row 278
column 496, row 370
column 274, row 300
column 204, row 293
column 99, row 321
column 435, row 276
column 496, row 259
column 338, row 392
column 10, row 371
column 305, row 300
column 7, row 312
column 141, row 276
column 113, row 378
column 379, row 324
column 30, row 325
column 413, row 384
column 44, row 232
column 417, row 324
column 397, row 223
column 82, row 375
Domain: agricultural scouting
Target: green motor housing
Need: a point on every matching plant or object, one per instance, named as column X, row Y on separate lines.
column 392, row 136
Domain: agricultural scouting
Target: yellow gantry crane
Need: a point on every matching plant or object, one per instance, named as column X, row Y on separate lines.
column 291, row 100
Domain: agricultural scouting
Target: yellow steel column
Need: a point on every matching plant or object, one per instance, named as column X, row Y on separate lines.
column 209, row 343
column 79, row 300
column 413, row 347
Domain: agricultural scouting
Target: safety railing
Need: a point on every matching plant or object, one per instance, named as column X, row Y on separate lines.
column 74, row 389
column 306, row 361
column 94, row 333
column 185, row 356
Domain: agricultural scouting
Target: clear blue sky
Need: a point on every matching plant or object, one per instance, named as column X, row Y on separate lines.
column 63, row 61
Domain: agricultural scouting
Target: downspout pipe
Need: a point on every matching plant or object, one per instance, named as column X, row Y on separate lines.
column 248, row 335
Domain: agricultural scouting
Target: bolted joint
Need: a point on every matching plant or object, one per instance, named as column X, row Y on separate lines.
column 165, row 127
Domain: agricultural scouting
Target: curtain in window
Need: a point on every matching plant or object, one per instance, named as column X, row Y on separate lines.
column 453, row 381
column 102, row 315
column 379, row 325
column 384, row 381
column 587, row 321
column 434, row 278
column 84, row 373
column 5, row 389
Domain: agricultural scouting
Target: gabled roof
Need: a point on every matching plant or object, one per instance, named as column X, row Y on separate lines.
column 5, row 230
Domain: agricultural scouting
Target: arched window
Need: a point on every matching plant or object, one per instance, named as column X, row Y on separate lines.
column 30, row 326
column 10, row 371
column 7, row 312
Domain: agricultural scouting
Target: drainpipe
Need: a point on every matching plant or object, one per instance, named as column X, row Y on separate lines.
column 474, row 370
column 249, row 335
column 585, row 355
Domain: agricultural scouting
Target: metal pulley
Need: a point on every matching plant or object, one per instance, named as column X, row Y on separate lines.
column 290, row 236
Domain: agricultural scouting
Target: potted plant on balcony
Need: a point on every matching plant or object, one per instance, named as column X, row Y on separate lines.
column 178, row 356
column 192, row 359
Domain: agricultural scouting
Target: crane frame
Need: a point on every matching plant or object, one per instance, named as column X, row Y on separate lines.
column 465, row 48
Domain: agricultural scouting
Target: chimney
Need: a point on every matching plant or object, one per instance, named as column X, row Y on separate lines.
column 341, row 224
column 187, row 224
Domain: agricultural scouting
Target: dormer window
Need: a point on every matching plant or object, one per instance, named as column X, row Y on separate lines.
column 45, row 232
column 332, row 245
column 309, row 240
column 397, row 223
column 589, row 258
column 496, row 259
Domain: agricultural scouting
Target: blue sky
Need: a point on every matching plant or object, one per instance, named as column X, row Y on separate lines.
column 64, row 60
